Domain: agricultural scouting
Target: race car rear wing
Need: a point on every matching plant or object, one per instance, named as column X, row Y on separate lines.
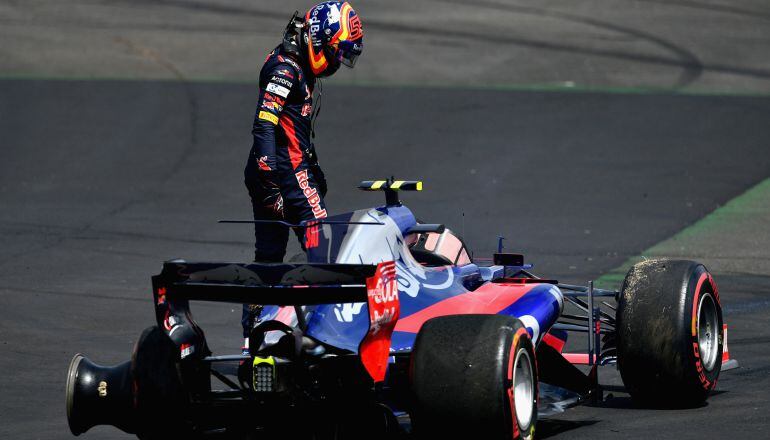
column 277, row 284
column 267, row 284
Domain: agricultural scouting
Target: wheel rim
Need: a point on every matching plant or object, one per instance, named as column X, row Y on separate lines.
column 523, row 388
column 708, row 331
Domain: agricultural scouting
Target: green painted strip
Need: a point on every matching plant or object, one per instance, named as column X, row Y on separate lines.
column 555, row 88
column 719, row 221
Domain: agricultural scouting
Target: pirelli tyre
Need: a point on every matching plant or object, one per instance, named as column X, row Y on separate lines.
column 474, row 375
column 669, row 333
column 160, row 399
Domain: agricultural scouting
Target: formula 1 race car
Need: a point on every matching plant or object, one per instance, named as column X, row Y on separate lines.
column 391, row 329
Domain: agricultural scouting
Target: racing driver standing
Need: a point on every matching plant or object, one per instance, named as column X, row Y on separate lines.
column 282, row 173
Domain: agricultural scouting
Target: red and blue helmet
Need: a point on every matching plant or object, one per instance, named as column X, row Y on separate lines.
column 334, row 37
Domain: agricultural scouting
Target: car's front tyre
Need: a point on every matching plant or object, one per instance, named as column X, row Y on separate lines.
column 669, row 333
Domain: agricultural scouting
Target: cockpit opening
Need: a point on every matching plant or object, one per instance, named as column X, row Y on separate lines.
column 438, row 249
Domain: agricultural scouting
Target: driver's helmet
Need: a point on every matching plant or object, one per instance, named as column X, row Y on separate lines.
column 334, row 37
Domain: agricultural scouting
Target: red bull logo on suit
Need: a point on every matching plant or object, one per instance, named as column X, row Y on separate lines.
column 311, row 194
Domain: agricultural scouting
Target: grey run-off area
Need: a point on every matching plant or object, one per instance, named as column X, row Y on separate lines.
column 705, row 45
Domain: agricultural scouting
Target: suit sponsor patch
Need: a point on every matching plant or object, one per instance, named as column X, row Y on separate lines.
column 270, row 97
column 272, row 106
column 267, row 116
column 262, row 162
column 286, row 73
column 278, row 89
column 279, row 80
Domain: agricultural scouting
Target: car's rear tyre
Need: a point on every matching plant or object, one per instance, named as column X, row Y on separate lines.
column 474, row 374
column 669, row 331
column 159, row 395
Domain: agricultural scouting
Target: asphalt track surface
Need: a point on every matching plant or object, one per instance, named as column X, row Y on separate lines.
column 100, row 181
column 686, row 45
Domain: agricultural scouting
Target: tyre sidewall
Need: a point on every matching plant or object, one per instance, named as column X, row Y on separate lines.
column 699, row 284
column 521, row 341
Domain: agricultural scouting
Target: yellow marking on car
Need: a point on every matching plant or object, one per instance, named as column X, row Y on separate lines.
column 263, row 370
column 391, row 185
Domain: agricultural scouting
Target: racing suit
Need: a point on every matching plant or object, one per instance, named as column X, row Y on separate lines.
column 282, row 173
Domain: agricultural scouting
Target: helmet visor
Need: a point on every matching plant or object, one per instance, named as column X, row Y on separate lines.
column 348, row 52
column 348, row 59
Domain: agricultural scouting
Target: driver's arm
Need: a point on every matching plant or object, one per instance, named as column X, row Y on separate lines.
column 273, row 96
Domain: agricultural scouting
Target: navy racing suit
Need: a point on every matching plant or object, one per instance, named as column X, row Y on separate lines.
column 282, row 173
